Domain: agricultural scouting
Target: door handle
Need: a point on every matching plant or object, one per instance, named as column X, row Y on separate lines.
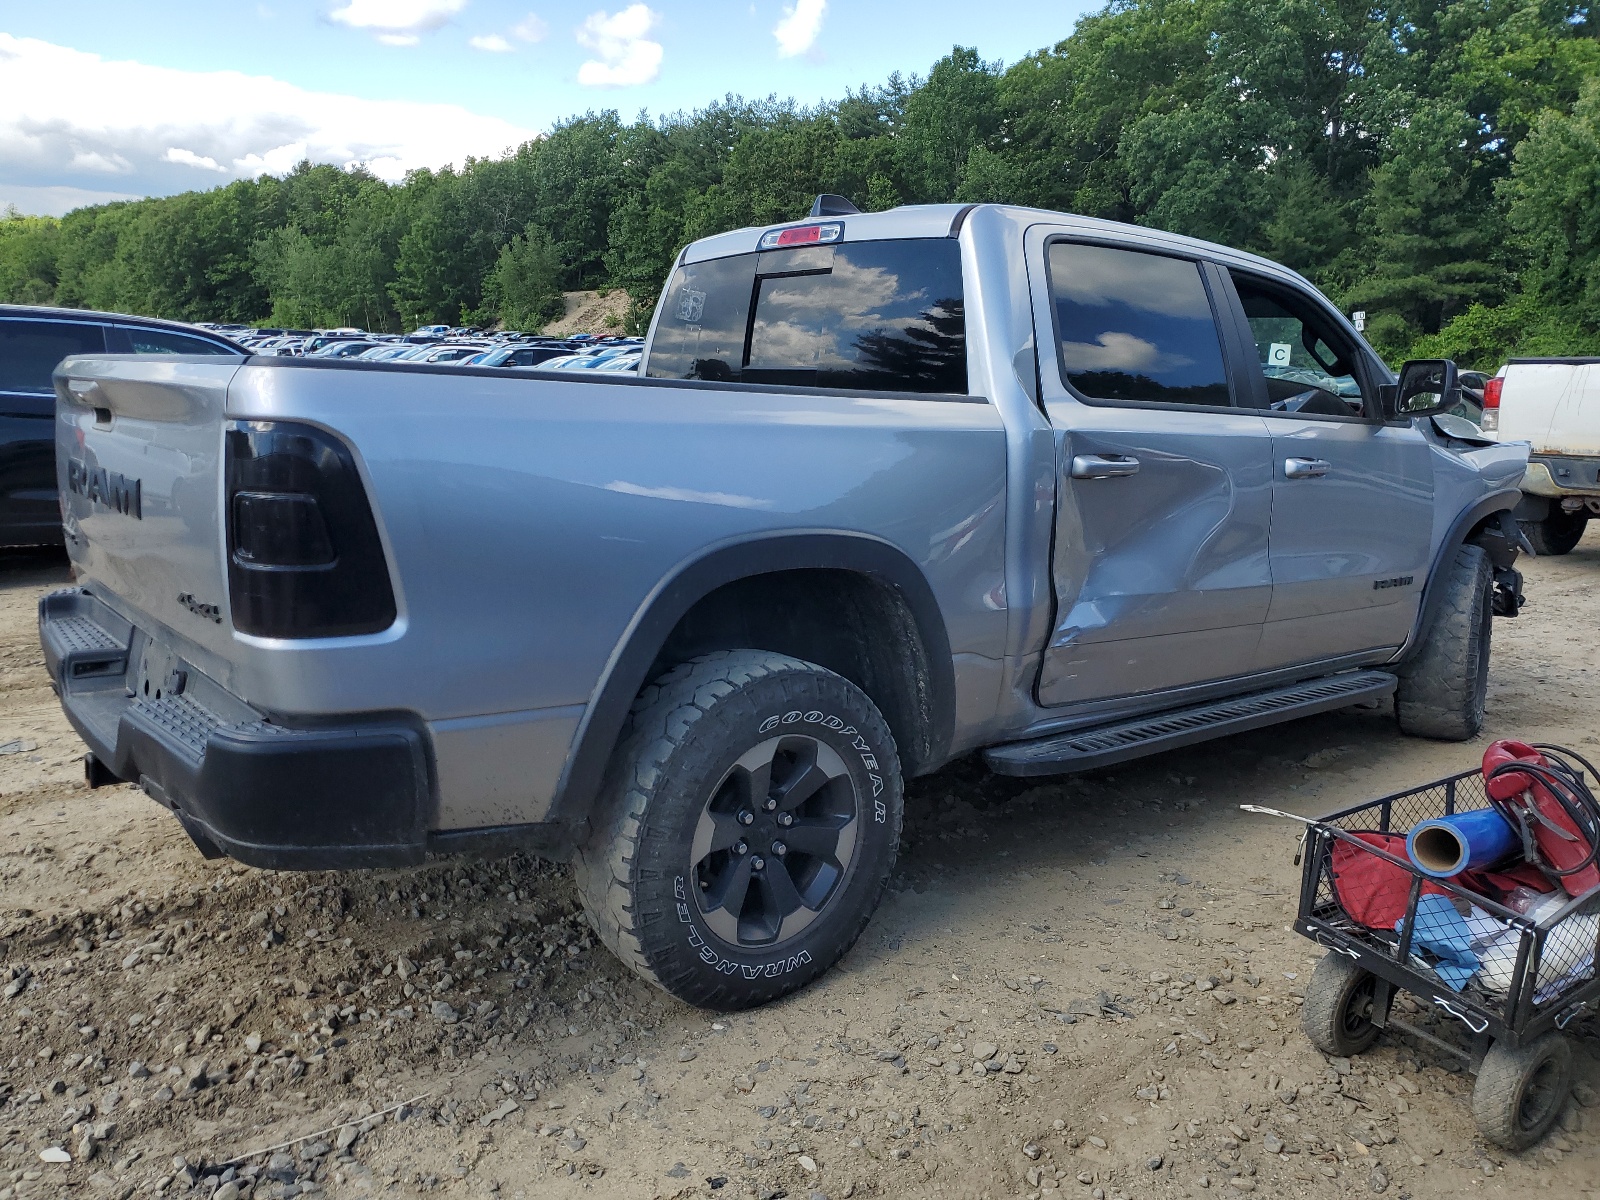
column 1104, row 466
column 1305, row 468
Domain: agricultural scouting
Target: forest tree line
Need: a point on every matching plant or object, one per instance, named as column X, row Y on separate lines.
column 1435, row 163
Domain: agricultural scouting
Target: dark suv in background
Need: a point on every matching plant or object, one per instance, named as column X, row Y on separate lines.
column 32, row 342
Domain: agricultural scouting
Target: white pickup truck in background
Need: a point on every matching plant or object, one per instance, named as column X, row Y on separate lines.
column 1554, row 405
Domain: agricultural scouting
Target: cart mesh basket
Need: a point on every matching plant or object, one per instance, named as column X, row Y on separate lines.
column 1360, row 895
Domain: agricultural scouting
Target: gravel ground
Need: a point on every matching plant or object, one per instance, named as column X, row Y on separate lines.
column 1077, row 989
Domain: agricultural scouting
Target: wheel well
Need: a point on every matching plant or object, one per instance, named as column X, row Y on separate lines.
column 857, row 625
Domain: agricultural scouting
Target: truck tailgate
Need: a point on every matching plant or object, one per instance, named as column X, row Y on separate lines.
column 1553, row 405
column 139, row 465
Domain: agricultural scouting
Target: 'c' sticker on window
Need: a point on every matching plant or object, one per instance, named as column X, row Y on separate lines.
column 1278, row 354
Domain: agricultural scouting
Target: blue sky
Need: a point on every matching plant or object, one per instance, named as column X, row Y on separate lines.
column 103, row 98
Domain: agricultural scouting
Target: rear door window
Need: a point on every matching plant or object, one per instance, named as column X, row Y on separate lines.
column 30, row 351
column 869, row 316
column 1133, row 326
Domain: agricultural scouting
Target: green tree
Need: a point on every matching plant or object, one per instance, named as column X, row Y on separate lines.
column 1554, row 194
column 955, row 109
column 524, row 288
column 28, row 248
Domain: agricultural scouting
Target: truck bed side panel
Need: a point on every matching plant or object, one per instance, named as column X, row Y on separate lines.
column 528, row 521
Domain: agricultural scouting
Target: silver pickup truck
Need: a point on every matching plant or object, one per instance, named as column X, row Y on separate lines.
column 888, row 489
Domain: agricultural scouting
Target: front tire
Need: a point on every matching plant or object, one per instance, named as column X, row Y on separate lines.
column 1558, row 533
column 1337, row 1014
column 1444, row 682
column 747, row 827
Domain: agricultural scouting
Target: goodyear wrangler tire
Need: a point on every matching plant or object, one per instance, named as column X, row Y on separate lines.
column 1443, row 684
column 747, row 826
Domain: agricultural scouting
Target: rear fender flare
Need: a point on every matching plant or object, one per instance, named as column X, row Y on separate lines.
column 626, row 670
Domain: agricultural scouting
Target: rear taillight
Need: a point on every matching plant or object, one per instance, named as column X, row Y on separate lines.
column 304, row 559
column 1491, row 404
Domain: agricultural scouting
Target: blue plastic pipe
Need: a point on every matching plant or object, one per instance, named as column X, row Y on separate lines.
column 1446, row 846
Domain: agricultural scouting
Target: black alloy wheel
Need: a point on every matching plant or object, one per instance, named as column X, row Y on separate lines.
column 775, row 842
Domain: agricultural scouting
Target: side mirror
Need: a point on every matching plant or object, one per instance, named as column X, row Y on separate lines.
column 1427, row 385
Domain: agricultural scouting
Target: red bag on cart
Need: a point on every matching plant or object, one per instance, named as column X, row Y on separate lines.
column 1529, row 800
column 1373, row 891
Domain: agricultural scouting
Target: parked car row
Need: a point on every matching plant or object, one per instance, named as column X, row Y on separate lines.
column 34, row 339
column 464, row 346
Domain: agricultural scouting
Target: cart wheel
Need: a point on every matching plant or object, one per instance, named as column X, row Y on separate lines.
column 1337, row 1014
column 1521, row 1092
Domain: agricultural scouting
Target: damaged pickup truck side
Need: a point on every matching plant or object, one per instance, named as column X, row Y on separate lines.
column 888, row 489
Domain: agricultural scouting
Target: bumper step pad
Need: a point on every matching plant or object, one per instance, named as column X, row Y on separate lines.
column 312, row 796
column 1087, row 749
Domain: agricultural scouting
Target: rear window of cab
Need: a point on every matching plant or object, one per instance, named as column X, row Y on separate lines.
column 884, row 316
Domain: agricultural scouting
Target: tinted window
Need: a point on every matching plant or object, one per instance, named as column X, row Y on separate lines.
column 700, row 334
column 30, row 350
column 1303, row 371
column 875, row 316
column 869, row 316
column 166, row 341
column 1135, row 326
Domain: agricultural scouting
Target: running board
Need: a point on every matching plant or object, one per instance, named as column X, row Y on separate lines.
column 1086, row 749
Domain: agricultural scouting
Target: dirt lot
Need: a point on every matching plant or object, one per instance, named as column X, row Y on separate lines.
column 1118, row 942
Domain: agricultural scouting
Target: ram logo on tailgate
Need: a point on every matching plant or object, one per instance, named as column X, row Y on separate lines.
column 108, row 489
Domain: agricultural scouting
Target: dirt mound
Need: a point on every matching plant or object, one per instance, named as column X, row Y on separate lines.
column 591, row 312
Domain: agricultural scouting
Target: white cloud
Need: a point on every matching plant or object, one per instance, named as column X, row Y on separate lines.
column 491, row 42
column 801, row 24
column 189, row 158
column 1113, row 351
column 397, row 22
column 71, row 121
column 626, row 57
column 532, row 28
column 105, row 163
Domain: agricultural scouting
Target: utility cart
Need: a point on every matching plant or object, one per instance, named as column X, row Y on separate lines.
column 1360, row 898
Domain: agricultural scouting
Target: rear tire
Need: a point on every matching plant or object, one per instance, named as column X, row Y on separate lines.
column 1337, row 1014
column 747, row 827
column 1558, row 533
column 1444, row 682
column 1520, row 1093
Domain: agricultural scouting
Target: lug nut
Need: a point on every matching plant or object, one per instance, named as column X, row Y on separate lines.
column 741, row 848
column 746, row 816
column 786, row 819
column 770, row 804
column 758, row 862
column 779, row 849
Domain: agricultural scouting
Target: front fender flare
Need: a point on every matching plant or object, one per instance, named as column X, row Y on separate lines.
column 1433, row 591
